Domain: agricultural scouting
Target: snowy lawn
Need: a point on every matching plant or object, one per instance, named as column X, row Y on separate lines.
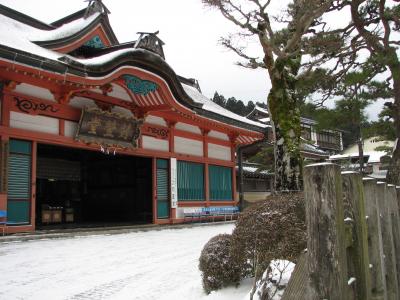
column 143, row 265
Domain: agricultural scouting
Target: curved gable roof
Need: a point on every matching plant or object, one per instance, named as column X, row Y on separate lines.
column 16, row 46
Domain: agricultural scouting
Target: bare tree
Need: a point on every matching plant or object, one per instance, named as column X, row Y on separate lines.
column 283, row 49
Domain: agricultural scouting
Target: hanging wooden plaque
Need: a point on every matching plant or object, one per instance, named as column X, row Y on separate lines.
column 108, row 129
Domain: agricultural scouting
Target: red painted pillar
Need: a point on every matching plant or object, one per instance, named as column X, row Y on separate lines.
column 61, row 127
column 154, row 176
column 233, row 138
column 33, row 185
column 206, row 174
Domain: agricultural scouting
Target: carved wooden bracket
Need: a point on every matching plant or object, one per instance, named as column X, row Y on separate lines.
column 10, row 85
column 204, row 131
column 233, row 137
column 170, row 123
column 107, row 88
column 63, row 97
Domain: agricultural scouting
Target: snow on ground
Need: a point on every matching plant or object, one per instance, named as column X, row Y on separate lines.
column 142, row 265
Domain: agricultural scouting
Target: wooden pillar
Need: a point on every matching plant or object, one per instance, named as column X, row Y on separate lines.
column 61, row 127
column 241, row 183
column 33, row 185
column 4, row 154
column 154, row 184
column 233, row 159
column 387, row 241
column 325, row 229
column 5, row 111
column 233, row 139
column 375, row 247
column 354, row 208
column 171, row 139
column 204, row 133
column 394, row 216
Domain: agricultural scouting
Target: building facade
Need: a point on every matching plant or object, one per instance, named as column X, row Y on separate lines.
column 93, row 130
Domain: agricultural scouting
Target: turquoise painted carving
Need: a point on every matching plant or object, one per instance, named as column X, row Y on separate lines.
column 139, row 86
column 95, row 42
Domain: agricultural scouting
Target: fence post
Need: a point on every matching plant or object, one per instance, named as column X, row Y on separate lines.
column 387, row 241
column 375, row 247
column 325, row 229
column 394, row 217
column 398, row 197
column 354, row 208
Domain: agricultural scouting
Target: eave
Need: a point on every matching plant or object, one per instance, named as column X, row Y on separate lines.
column 97, row 75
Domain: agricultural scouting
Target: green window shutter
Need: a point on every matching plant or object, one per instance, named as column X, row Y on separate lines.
column 190, row 181
column 220, row 183
column 19, row 182
column 162, row 189
column 162, row 184
column 19, row 177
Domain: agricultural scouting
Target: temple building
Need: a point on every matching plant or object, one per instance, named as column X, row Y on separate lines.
column 97, row 131
column 316, row 145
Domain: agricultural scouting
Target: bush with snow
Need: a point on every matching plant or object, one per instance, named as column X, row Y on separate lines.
column 218, row 269
column 273, row 282
column 272, row 229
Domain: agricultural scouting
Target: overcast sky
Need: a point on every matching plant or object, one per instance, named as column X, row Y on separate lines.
column 190, row 32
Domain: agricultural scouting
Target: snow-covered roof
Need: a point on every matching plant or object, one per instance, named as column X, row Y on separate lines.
column 261, row 109
column 213, row 107
column 381, row 174
column 312, row 148
column 63, row 31
column 307, row 121
column 265, row 120
column 373, row 156
column 18, row 36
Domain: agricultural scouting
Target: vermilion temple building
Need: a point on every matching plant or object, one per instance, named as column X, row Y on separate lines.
column 93, row 130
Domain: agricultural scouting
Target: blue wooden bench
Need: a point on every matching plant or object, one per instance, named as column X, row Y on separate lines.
column 3, row 220
column 211, row 213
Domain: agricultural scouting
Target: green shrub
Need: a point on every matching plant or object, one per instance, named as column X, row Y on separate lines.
column 218, row 269
column 272, row 229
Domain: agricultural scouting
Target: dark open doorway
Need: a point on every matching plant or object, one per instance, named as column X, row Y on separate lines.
column 85, row 188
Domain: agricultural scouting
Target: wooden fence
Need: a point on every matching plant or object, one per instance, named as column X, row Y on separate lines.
column 353, row 246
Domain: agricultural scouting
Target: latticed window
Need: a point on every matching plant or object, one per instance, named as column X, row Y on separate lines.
column 220, row 182
column 19, row 182
column 190, row 181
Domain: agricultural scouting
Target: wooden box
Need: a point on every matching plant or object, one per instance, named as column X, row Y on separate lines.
column 56, row 216
column 46, row 216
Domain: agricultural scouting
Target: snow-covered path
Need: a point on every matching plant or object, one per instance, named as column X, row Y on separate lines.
column 142, row 265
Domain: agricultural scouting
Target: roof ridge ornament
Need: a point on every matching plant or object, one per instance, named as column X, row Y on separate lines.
column 95, row 6
column 150, row 41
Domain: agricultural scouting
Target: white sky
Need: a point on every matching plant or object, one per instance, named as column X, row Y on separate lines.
column 190, row 32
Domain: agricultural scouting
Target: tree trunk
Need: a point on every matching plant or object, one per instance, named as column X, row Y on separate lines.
column 285, row 119
column 394, row 170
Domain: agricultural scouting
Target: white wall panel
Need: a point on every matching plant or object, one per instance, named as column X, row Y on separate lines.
column 70, row 128
column 149, row 142
column 80, row 102
column 34, row 123
column 218, row 135
column 219, row 152
column 119, row 92
column 187, row 127
column 155, row 120
column 188, row 146
column 34, row 91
